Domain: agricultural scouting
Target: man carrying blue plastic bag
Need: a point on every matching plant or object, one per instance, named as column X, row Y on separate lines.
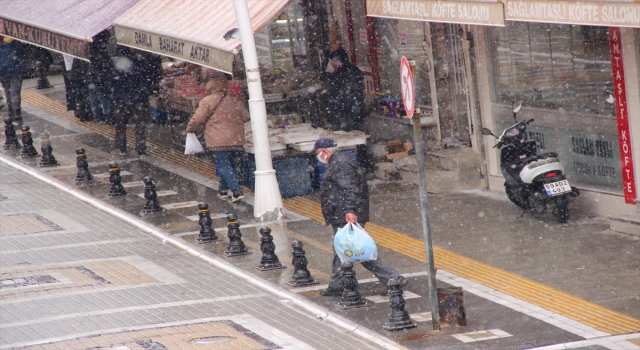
column 344, row 198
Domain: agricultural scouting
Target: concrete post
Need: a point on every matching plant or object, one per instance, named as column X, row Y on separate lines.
column 268, row 201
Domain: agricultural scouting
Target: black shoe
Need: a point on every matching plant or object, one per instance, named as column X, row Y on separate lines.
column 142, row 153
column 122, row 152
column 237, row 196
column 223, row 195
column 330, row 292
column 403, row 282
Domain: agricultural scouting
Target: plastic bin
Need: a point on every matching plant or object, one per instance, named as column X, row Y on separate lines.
column 293, row 175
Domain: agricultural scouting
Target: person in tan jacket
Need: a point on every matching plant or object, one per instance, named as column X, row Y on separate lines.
column 223, row 117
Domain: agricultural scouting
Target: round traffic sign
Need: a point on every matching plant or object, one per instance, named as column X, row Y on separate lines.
column 406, row 85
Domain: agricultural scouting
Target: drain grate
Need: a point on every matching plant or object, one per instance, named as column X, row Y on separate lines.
column 17, row 224
column 27, row 281
column 92, row 274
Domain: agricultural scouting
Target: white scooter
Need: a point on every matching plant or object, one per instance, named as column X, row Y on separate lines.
column 532, row 180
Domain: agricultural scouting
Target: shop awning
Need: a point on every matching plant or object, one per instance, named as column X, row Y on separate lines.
column 599, row 13
column 66, row 26
column 191, row 30
column 488, row 12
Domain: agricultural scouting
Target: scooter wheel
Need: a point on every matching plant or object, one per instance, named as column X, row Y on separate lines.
column 561, row 212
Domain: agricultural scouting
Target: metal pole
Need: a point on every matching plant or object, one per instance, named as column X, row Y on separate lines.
column 268, row 201
column 424, row 214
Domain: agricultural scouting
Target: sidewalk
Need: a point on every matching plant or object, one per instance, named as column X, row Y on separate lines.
column 552, row 281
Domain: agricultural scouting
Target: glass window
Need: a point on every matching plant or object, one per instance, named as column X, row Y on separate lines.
column 555, row 66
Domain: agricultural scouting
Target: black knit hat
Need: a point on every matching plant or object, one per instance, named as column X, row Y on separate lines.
column 339, row 55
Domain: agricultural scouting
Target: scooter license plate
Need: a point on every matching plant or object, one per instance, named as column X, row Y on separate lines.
column 557, row 188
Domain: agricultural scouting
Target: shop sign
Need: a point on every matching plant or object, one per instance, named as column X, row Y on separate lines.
column 54, row 41
column 482, row 13
column 622, row 113
column 620, row 14
column 174, row 47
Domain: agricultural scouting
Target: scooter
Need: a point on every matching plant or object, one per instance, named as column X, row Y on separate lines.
column 532, row 180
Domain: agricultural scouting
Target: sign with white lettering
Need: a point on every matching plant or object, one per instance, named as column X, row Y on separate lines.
column 468, row 12
column 590, row 158
column 175, row 47
column 50, row 40
column 619, row 14
column 626, row 157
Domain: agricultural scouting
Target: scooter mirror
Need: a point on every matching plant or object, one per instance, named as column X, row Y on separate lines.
column 517, row 106
column 486, row 131
column 610, row 99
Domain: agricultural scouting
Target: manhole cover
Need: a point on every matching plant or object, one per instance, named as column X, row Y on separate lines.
column 25, row 223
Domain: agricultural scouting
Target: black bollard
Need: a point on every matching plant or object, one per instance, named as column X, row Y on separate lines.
column 117, row 190
column 301, row 275
column 28, row 151
column 42, row 82
column 11, row 141
column 269, row 259
column 399, row 317
column 47, row 158
column 207, row 233
column 350, row 296
column 152, row 206
column 83, row 166
column 236, row 245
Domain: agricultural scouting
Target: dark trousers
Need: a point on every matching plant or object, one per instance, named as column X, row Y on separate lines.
column 128, row 112
column 12, row 88
column 383, row 271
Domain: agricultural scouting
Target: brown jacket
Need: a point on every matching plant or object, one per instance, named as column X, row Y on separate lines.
column 222, row 115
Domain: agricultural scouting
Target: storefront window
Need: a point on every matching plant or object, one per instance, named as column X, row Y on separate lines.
column 564, row 67
column 397, row 38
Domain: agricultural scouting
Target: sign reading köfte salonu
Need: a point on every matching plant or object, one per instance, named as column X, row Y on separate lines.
column 604, row 13
column 482, row 13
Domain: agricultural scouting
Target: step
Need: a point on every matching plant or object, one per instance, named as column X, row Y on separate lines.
column 626, row 223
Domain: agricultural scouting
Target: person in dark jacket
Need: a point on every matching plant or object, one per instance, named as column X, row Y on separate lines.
column 344, row 198
column 345, row 93
column 76, row 84
column 136, row 75
column 12, row 67
column 100, row 79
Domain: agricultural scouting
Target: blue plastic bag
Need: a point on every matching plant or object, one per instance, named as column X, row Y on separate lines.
column 352, row 243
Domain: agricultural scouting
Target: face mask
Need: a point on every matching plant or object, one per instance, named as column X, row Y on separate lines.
column 319, row 156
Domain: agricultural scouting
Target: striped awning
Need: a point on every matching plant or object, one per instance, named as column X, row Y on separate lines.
column 65, row 26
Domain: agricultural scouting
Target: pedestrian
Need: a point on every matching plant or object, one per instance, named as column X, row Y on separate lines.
column 76, row 84
column 344, row 198
column 223, row 117
column 100, row 79
column 344, row 98
column 136, row 75
column 12, row 68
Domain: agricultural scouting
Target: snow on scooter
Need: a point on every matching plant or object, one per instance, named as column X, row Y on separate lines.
column 532, row 180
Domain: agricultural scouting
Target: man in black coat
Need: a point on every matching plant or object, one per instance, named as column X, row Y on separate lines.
column 345, row 93
column 344, row 198
column 136, row 75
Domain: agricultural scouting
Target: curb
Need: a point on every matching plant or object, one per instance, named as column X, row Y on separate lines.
column 320, row 312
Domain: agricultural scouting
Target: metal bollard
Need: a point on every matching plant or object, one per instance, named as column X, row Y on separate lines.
column 152, row 206
column 236, row 245
column 42, row 82
column 269, row 259
column 350, row 296
column 47, row 158
column 11, row 141
column 399, row 317
column 207, row 233
column 82, row 164
column 451, row 306
column 117, row 190
column 301, row 275
column 28, row 151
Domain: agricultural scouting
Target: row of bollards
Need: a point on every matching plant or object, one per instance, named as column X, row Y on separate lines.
column 351, row 298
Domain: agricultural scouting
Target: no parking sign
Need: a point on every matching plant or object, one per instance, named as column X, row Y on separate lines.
column 406, row 85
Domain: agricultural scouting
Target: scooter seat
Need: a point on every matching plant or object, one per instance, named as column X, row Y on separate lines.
column 547, row 155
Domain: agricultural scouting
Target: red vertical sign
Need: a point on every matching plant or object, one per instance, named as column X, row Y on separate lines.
column 628, row 178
